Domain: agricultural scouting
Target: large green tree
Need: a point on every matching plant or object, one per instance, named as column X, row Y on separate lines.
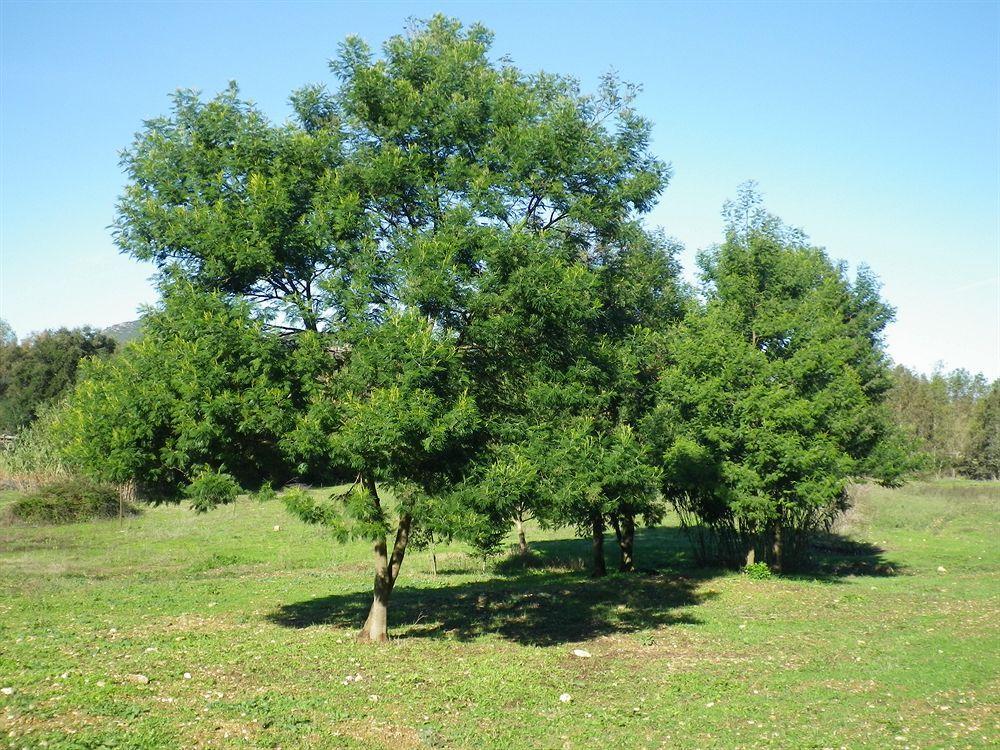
column 772, row 404
column 410, row 230
column 593, row 410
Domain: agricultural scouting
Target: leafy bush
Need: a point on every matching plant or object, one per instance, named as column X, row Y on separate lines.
column 211, row 488
column 757, row 571
column 265, row 494
column 67, row 501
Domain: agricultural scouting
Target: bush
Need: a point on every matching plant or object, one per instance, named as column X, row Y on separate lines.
column 67, row 501
column 265, row 494
column 757, row 571
column 210, row 489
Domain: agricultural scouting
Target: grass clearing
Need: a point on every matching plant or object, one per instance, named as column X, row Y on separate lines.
column 242, row 621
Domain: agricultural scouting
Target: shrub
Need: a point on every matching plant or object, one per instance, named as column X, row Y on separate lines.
column 265, row 494
column 67, row 501
column 210, row 489
column 757, row 571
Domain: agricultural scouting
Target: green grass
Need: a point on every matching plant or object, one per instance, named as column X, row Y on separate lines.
column 875, row 648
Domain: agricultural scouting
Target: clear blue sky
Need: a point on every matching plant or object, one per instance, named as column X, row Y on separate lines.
column 875, row 127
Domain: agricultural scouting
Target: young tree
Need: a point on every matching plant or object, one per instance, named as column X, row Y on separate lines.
column 577, row 387
column 399, row 214
column 398, row 413
column 602, row 478
column 773, row 401
column 641, row 299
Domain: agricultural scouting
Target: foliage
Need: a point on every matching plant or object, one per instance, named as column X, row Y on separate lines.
column 39, row 370
column 757, row 571
column 7, row 335
column 204, row 388
column 773, row 401
column 589, row 414
column 240, row 205
column 68, row 500
column 301, row 503
column 265, row 493
column 983, row 456
column 939, row 412
column 210, row 489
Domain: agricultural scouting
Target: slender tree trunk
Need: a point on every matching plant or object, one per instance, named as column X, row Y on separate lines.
column 522, row 542
column 626, row 542
column 624, row 526
column 127, row 494
column 598, row 544
column 376, row 627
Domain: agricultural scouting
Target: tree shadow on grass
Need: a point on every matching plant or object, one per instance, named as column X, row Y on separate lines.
column 537, row 608
column 830, row 557
column 834, row 556
column 661, row 548
column 548, row 599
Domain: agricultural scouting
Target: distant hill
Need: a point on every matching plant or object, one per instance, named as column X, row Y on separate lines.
column 123, row 332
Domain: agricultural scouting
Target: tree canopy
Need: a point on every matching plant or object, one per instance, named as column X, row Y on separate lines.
column 423, row 235
column 203, row 390
column 939, row 412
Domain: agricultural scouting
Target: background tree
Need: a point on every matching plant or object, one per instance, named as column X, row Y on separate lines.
column 36, row 372
column 938, row 411
column 595, row 410
column 772, row 404
column 7, row 335
column 983, row 457
column 641, row 299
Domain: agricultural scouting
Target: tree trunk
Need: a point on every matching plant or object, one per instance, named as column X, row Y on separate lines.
column 127, row 494
column 376, row 627
column 598, row 544
column 624, row 526
column 626, row 542
column 777, row 551
column 522, row 542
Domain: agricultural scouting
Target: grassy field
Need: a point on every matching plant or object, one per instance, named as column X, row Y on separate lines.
column 235, row 629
